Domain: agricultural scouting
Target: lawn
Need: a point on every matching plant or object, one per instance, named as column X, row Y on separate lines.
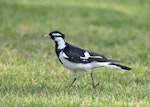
column 31, row 75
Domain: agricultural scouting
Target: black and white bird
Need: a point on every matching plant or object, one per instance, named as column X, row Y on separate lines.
column 75, row 58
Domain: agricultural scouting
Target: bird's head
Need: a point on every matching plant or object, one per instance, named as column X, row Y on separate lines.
column 55, row 35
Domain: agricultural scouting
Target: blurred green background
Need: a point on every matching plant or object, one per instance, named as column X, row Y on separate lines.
column 30, row 74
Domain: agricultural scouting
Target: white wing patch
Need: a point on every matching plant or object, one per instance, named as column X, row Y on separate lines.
column 87, row 55
column 96, row 57
column 64, row 55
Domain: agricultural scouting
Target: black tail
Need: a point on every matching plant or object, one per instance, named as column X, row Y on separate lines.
column 121, row 66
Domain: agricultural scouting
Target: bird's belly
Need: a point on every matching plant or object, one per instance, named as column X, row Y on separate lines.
column 79, row 66
column 75, row 66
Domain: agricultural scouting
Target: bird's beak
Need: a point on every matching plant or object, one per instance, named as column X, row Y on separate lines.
column 46, row 36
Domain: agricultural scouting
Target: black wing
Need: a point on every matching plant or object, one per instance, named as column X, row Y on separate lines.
column 77, row 55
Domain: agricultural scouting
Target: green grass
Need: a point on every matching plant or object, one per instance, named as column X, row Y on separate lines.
column 30, row 74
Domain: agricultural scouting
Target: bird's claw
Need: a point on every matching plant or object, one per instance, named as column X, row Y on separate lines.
column 94, row 86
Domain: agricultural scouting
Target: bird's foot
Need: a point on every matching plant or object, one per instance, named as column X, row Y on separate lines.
column 94, row 86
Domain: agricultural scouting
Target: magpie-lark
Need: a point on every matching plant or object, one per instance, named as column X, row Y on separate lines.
column 75, row 58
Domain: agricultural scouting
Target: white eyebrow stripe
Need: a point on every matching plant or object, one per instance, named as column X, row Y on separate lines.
column 56, row 34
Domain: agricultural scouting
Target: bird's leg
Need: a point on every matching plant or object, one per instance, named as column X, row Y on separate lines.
column 93, row 84
column 75, row 78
